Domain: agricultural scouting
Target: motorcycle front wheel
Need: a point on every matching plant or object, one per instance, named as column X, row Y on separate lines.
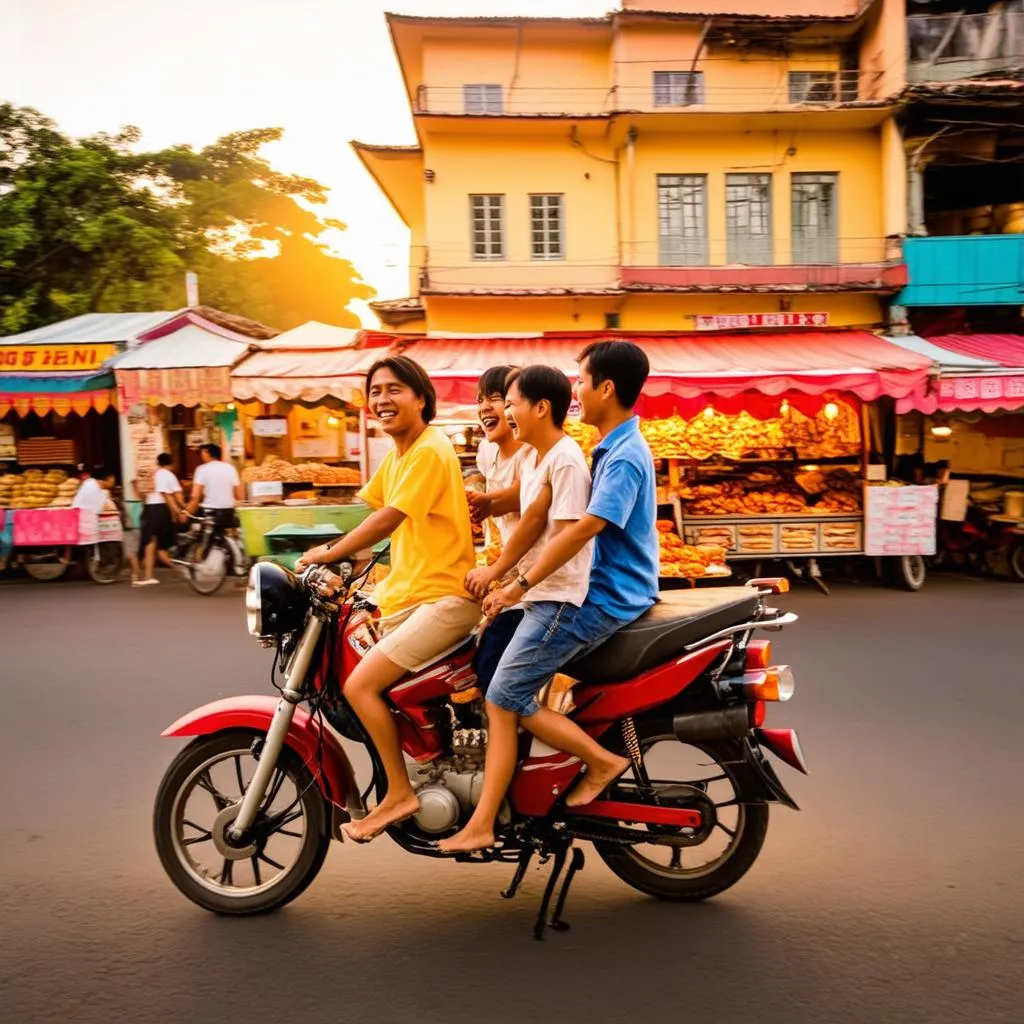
column 206, row 574
column 284, row 850
column 726, row 849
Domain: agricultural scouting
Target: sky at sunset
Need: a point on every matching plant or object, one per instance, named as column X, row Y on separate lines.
column 191, row 70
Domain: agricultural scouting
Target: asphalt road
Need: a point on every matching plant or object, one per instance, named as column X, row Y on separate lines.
column 895, row 895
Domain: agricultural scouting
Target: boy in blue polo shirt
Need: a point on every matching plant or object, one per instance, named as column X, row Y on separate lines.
column 620, row 520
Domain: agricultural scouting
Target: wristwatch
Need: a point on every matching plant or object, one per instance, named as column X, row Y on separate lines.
column 524, row 583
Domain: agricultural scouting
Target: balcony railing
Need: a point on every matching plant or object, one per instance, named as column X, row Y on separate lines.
column 867, row 264
column 949, row 47
column 714, row 91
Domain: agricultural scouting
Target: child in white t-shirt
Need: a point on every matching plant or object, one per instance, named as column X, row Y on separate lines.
column 499, row 460
column 554, row 491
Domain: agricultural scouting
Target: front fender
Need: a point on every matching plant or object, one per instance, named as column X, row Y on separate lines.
column 336, row 781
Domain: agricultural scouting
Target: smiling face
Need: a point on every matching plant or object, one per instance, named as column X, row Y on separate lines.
column 523, row 417
column 490, row 410
column 397, row 407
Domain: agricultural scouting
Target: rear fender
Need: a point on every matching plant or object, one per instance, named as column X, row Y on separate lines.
column 756, row 781
column 336, row 781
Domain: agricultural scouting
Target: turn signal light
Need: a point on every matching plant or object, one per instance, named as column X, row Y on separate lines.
column 759, row 654
column 773, row 584
column 775, row 683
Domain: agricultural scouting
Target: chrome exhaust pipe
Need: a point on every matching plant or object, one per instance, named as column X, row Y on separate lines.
column 724, row 723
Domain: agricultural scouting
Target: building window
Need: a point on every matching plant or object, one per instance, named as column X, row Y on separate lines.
column 815, row 238
column 682, row 220
column 546, row 227
column 488, row 217
column 812, row 86
column 482, row 99
column 748, row 218
column 678, row 88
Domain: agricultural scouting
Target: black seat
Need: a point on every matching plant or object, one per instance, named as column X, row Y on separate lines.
column 680, row 618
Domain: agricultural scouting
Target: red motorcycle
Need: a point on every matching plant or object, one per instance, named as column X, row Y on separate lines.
column 246, row 812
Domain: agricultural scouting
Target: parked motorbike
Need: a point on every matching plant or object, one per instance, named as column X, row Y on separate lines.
column 208, row 554
column 981, row 543
column 246, row 812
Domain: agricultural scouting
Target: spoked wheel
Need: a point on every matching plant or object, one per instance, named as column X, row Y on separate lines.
column 694, row 866
column 1015, row 561
column 909, row 572
column 197, row 802
column 105, row 561
column 206, row 575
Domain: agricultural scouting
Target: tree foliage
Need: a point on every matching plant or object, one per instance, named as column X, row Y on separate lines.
column 95, row 224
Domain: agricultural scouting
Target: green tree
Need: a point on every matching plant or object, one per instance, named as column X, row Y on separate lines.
column 93, row 224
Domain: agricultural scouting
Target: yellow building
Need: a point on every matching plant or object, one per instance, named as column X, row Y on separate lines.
column 657, row 169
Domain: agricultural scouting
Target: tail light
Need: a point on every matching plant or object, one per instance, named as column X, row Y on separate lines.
column 785, row 745
column 775, row 683
column 758, row 711
column 759, row 655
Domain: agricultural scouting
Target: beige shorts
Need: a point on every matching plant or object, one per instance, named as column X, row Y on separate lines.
column 415, row 637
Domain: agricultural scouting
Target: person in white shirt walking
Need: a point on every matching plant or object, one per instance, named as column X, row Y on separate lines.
column 94, row 491
column 164, row 505
column 216, row 486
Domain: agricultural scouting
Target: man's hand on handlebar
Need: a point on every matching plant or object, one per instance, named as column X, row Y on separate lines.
column 312, row 557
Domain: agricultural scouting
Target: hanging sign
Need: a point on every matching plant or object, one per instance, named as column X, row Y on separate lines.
column 277, row 427
column 900, row 520
column 50, row 358
column 983, row 389
column 740, row 321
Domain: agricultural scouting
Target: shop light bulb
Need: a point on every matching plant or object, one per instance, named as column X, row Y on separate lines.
column 709, row 412
column 459, row 439
column 231, row 406
column 784, row 408
column 332, row 421
column 831, row 410
column 941, row 430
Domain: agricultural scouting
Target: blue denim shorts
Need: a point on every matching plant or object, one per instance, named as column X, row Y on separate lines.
column 551, row 634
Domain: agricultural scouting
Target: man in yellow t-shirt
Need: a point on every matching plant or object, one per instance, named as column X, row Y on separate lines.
column 420, row 502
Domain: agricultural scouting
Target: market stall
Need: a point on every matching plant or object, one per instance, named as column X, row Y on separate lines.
column 303, row 434
column 175, row 390
column 968, row 418
column 760, row 440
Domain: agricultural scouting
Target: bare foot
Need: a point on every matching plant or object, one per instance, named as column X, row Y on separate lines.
column 596, row 781
column 383, row 816
column 471, row 838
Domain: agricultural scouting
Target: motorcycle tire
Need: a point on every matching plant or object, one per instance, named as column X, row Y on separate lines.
column 205, row 583
column 315, row 842
column 653, row 880
column 1015, row 561
column 105, row 562
column 908, row 572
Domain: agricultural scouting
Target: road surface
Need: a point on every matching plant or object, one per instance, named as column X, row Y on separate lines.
column 894, row 895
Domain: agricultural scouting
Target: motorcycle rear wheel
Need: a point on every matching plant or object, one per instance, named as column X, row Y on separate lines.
column 677, row 881
column 214, row 765
column 1015, row 561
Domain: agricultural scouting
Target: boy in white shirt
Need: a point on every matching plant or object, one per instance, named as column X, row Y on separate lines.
column 554, row 492
column 94, row 491
column 499, row 460
column 163, row 505
column 217, row 486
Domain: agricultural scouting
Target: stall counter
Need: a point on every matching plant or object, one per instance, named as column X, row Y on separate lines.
column 257, row 520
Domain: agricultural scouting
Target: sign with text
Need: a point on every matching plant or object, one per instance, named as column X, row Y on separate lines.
column 276, row 427
column 981, row 388
column 50, row 358
column 740, row 321
column 900, row 520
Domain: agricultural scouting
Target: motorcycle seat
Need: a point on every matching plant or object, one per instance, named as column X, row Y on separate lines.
column 680, row 618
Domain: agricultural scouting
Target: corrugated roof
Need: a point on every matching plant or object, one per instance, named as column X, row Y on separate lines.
column 189, row 346
column 93, row 327
column 946, row 358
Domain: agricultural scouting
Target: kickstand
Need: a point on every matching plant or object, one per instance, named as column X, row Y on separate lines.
column 575, row 866
column 556, row 871
column 524, row 860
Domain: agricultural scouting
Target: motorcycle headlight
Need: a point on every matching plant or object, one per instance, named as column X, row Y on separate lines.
column 274, row 605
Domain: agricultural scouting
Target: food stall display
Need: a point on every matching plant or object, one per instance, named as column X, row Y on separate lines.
column 687, row 561
column 36, row 488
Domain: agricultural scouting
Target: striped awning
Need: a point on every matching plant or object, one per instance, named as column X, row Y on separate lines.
column 69, row 393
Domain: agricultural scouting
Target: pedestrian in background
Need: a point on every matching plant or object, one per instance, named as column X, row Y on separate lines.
column 163, row 507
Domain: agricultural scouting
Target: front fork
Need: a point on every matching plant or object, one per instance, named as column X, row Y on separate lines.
column 292, row 695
